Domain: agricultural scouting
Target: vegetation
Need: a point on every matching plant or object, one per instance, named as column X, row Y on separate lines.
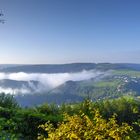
column 109, row 119
column 127, row 72
column 82, row 127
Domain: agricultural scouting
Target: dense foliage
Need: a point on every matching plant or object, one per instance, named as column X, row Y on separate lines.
column 110, row 119
column 82, row 127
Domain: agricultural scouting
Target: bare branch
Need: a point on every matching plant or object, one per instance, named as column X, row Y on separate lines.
column 2, row 20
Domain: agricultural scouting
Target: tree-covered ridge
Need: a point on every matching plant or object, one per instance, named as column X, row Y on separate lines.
column 71, row 67
column 113, row 81
column 118, row 118
column 113, row 85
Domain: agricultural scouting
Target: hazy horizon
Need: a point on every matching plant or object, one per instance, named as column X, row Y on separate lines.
column 68, row 63
column 69, row 31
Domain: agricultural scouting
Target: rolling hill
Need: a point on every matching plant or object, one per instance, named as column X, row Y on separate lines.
column 112, row 81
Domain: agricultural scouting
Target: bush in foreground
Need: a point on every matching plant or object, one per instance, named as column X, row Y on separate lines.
column 79, row 127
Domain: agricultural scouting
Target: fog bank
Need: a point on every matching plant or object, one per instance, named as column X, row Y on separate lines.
column 47, row 81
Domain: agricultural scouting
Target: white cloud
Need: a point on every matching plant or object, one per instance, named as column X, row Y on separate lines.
column 48, row 81
column 14, row 91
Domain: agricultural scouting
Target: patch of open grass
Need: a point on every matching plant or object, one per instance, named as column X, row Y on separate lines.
column 127, row 72
column 113, row 83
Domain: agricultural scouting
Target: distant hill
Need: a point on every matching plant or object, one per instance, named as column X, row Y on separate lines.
column 119, row 83
column 61, row 68
column 6, row 83
column 50, row 68
column 115, row 80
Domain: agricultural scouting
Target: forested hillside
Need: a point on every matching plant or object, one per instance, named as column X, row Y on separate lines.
column 108, row 119
column 33, row 85
column 73, row 67
column 109, row 85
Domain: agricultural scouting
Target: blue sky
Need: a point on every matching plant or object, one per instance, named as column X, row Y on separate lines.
column 66, row 31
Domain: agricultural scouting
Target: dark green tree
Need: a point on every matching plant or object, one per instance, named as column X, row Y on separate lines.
column 7, row 101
